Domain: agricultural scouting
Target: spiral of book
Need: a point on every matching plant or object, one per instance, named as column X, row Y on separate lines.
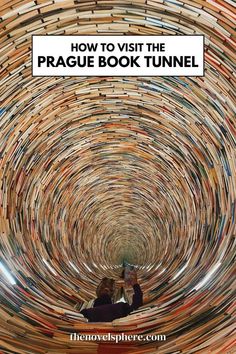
column 95, row 170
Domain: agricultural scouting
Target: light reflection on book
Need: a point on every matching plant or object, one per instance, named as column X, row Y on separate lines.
column 73, row 266
column 7, row 274
column 180, row 271
column 162, row 271
column 49, row 267
column 207, row 277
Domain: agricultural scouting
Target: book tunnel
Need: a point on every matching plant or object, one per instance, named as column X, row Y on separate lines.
column 98, row 170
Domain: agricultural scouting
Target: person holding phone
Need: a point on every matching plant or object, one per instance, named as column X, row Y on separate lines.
column 104, row 310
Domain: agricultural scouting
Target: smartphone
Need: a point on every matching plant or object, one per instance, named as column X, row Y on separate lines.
column 129, row 271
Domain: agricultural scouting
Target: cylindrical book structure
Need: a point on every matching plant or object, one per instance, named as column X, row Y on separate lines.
column 95, row 170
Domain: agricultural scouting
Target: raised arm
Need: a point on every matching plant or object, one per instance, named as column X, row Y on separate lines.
column 137, row 297
column 138, row 294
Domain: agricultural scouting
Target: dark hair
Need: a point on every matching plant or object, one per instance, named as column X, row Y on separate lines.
column 105, row 287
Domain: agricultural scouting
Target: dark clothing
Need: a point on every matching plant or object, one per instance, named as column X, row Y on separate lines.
column 107, row 312
column 102, row 300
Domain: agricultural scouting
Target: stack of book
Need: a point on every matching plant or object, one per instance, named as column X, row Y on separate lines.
column 94, row 170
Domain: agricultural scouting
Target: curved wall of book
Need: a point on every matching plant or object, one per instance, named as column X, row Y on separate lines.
column 97, row 170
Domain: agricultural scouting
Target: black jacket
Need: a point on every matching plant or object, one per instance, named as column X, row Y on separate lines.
column 105, row 311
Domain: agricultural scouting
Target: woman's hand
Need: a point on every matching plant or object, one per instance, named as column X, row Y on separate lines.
column 133, row 278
